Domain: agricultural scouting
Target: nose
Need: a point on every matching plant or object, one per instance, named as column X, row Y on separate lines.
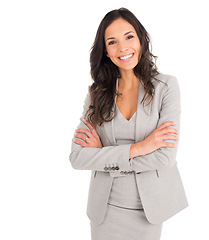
column 122, row 47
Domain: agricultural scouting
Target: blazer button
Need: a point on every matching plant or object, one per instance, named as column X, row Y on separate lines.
column 113, row 168
column 109, row 168
column 122, row 172
column 105, row 168
column 126, row 173
column 117, row 168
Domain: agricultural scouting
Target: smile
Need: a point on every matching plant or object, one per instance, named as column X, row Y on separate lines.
column 126, row 57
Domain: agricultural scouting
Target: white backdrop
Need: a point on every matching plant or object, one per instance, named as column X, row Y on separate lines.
column 44, row 73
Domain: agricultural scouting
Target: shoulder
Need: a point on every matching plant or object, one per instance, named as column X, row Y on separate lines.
column 165, row 81
column 87, row 99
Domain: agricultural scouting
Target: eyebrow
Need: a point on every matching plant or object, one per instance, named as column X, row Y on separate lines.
column 124, row 35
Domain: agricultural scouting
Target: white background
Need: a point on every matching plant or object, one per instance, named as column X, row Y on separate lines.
column 44, row 73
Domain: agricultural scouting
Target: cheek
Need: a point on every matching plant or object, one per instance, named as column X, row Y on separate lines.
column 110, row 52
column 136, row 45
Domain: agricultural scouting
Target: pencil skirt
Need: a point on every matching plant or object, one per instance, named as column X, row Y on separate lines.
column 125, row 224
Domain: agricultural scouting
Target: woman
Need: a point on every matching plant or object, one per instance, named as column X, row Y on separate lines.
column 128, row 135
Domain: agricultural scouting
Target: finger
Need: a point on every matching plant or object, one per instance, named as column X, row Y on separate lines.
column 81, row 136
column 92, row 129
column 167, row 144
column 85, row 131
column 166, row 124
column 169, row 137
column 94, row 132
column 83, row 144
column 88, row 124
column 169, row 130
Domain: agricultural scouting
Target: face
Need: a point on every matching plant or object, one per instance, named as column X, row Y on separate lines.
column 122, row 44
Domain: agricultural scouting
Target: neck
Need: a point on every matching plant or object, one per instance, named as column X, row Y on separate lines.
column 128, row 80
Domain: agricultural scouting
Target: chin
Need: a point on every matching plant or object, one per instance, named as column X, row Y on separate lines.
column 127, row 68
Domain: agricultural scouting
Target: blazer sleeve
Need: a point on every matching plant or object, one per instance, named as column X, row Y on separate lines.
column 107, row 159
column 164, row 157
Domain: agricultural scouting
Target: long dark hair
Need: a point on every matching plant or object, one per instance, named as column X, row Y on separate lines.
column 105, row 73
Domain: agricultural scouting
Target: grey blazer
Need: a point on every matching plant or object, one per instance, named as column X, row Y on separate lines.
column 158, row 180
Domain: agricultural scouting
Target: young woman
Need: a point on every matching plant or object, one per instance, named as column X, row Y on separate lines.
column 128, row 135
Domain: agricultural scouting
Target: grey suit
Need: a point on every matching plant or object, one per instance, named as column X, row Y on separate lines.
column 158, row 180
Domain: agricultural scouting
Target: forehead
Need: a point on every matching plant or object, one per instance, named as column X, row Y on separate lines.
column 118, row 27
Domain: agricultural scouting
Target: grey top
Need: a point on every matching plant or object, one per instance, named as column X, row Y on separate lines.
column 159, row 182
column 124, row 192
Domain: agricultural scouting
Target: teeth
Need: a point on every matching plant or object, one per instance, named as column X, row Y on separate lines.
column 126, row 57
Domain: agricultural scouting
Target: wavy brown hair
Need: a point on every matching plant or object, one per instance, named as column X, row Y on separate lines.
column 105, row 73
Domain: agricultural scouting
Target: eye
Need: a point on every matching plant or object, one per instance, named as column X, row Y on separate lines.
column 130, row 36
column 111, row 43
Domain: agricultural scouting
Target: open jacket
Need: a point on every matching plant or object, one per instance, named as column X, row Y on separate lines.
column 158, row 179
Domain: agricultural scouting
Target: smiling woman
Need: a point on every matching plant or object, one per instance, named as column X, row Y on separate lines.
column 124, row 48
column 129, row 146
column 121, row 49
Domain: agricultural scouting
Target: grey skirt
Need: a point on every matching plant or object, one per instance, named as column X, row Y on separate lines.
column 125, row 224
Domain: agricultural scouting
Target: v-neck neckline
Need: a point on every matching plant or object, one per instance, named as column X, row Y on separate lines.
column 117, row 82
column 123, row 116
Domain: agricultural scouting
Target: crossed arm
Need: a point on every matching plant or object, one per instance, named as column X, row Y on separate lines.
column 156, row 152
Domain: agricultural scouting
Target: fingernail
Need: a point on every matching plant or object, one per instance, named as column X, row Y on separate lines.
column 84, row 120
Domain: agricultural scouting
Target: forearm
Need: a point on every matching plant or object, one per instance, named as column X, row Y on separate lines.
column 159, row 159
column 136, row 150
column 109, row 158
column 164, row 157
column 141, row 160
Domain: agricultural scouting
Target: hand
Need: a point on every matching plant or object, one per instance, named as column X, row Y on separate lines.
column 155, row 140
column 91, row 138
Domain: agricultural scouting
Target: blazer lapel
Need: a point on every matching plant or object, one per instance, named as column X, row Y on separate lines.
column 142, row 116
column 142, row 119
column 109, row 126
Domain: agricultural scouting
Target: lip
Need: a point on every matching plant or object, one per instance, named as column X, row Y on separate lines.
column 126, row 60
